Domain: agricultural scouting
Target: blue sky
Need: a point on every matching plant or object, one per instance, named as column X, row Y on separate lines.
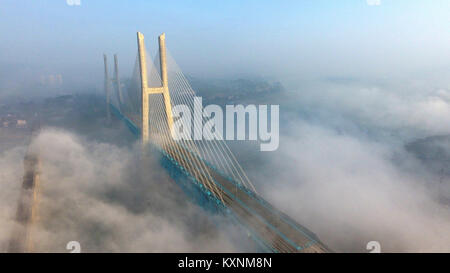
column 315, row 38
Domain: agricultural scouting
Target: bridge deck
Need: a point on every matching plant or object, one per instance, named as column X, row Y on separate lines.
column 20, row 239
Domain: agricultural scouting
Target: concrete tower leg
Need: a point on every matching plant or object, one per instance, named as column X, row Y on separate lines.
column 144, row 87
column 165, row 81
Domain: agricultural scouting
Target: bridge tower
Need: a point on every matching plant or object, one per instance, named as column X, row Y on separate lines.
column 116, row 80
column 107, row 90
column 146, row 90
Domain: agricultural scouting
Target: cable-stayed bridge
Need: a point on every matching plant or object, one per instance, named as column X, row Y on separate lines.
column 206, row 170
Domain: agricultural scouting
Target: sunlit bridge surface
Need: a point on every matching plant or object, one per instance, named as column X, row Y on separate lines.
column 206, row 170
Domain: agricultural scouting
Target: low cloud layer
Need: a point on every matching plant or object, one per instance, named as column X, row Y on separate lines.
column 343, row 170
column 101, row 196
column 351, row 192
column 403, row 110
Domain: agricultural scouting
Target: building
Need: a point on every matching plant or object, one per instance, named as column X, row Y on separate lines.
column 21, row 123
